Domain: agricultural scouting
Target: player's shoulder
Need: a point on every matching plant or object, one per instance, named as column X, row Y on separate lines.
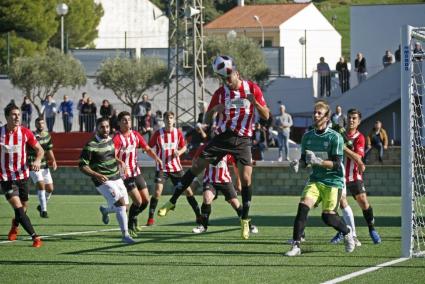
column 333, row 133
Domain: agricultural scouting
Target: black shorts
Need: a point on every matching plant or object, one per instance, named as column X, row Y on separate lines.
column 135, row 182
column 12, row 188
column 161, row 177
column 227, row 189
column 356, row 188
column 228, row 143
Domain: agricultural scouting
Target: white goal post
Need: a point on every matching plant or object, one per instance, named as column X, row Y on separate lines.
column 412, row 142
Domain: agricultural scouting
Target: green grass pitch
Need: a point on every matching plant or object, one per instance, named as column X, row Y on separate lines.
column 169, row 252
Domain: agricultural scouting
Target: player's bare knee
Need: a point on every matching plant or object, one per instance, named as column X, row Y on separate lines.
column 343, row 202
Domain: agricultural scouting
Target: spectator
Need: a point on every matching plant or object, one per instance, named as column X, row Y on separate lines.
column 343, row 74
column 283, row 124
column 360, row 67
column 418, row 52
column 387, row 59
column 113, row 121
column 26, row 111
column 202, row 109
column 106, row 109
column 49, row 109
column 88, row 112
column 324, row 73
column 147, row 124
column 377, row 139
column 159, row 121
column 140, row 110
column 67, row 113
column 259, row 140
column 81, row 102
column 338, row 119
column 397, row 54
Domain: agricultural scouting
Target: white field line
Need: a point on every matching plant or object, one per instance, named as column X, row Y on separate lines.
column 364, row 271
column 63, row 234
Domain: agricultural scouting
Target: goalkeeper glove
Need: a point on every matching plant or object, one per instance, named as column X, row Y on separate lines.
column 311, row 158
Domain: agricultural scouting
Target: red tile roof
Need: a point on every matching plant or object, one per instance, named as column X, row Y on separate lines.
column 271, row 16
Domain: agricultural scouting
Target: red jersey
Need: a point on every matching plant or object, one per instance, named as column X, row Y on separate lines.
column 13, row 153
column 219, row 173
column 238, row 112
column 167, row 144
column 126, row 149
column 351, row 168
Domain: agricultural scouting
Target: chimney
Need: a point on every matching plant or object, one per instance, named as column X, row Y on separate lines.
column 241, row 3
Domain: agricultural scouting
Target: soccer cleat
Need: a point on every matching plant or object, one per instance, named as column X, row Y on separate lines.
column 36, row 242
column 105, row 216
column 339, row 237
column 137, row 228
column 39, row 209
column 43, row 214
column 163, row 211
column 349, row 243
column 128, row 240
column 13, row 233
column 150, row 222
column 199, row 229
column 295, row 250
column 132, row 233
column 245, row 229
column 253, row 229
column 375, row 237
column 357, row 242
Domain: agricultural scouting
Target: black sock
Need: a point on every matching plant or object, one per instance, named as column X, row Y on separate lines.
column 142, row 207
column 133, row 212
column 336, row 222
column 246, row 201
column 206, row 212
column 194, row 204
column 370, row 220
column 152, row 206
column 15, row 223
column 182, row 185
column 24, row 220
column 300, row 221
column 239, row 211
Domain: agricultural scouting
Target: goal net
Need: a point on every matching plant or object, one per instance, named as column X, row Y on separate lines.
column 413, row 141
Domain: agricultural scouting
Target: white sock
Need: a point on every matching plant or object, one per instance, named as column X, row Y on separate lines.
column 347, row 214
column 110, row 209
column 48, row 195
column 42, row 199
column 121, row 214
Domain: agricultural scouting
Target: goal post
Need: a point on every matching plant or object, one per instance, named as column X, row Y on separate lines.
column 412, row 142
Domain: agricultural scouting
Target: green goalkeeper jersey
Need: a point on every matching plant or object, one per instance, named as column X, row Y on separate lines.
column 325, row 145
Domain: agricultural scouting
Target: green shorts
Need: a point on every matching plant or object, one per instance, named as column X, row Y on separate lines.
column 329, row 196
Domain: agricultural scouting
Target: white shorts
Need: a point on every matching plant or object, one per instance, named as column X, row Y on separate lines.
column 113, row 190
column 43, row 175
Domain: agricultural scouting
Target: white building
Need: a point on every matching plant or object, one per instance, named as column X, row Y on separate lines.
column 287, row 26
column 131, row 24
column 376, row 28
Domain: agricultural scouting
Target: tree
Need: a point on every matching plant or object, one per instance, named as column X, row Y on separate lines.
column 246, row 53
column 130, row 78
column 81, row 23
column 44, row 74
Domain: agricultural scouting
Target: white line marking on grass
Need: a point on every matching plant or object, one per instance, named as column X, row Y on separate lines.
column 63, row 234
column 364, row 271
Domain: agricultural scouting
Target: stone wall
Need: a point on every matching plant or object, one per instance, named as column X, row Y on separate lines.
column 268, row 179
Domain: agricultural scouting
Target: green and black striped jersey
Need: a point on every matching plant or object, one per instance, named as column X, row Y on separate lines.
column 99, row 155
column 45, row 141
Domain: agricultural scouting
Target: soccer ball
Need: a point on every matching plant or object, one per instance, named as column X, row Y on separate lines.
column 223, row 65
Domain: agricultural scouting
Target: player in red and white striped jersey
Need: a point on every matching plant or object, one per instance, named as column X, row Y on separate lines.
column 14, row 172
column 234, row 103
column 217, row 178
column 354, row 168
column 169, row 146
column 126, row 142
